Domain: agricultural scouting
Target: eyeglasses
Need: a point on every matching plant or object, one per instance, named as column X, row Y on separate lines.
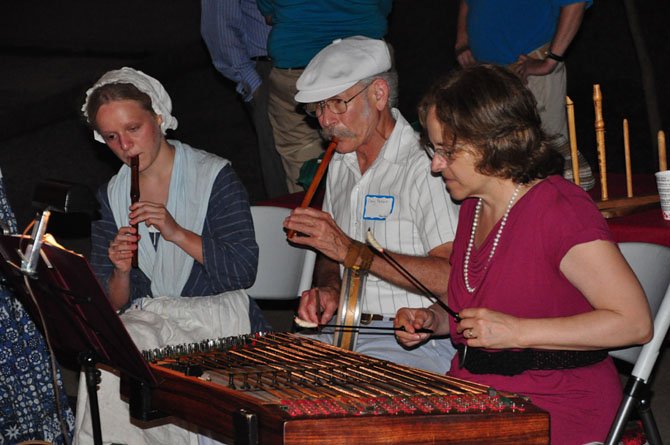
column 335, row 105
column 446, row 153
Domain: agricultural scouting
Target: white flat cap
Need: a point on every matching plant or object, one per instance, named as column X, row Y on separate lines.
column 340, row 65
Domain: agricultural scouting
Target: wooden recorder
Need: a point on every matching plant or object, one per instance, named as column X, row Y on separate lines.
column 624, row 205
column 281, row 388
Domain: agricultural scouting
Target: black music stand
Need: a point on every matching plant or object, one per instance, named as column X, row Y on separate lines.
column 82, row 324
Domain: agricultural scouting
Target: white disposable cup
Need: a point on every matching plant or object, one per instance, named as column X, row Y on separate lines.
column 663, row 185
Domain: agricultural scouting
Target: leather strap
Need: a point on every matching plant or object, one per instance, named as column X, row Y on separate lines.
column 359, row 256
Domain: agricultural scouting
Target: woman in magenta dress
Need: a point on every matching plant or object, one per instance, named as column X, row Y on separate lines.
column 534, row 266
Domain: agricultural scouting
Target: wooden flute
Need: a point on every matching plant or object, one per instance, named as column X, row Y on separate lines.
column 317, row 179
column 135, row 194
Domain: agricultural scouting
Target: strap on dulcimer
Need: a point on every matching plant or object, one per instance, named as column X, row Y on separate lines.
column 357, row 263
column 349, row 310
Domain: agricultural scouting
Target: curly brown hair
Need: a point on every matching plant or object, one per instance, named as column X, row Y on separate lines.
column 490, row 109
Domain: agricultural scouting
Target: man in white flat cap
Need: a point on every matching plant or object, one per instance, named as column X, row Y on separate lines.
column 379, row 180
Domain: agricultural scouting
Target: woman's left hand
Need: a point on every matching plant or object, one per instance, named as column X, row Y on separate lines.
column 412, row 319
column 485, row 328
column 155, row 215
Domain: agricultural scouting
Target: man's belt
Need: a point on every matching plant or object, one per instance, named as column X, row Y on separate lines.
column 510, row 362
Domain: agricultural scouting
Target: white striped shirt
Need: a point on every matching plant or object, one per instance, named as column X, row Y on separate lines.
column 423, row 216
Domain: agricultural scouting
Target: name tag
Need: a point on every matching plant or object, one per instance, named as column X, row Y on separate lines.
column 378, row 207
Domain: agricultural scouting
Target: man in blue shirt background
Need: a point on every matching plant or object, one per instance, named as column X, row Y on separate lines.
column 531, row 38
column 236, row 35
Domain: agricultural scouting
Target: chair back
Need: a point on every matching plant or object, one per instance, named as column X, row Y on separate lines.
column 284, row 270
column 651, row 264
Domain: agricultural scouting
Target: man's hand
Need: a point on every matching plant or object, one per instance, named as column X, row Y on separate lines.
column 327, row 301
column 319, row 231
column 464, row 56
column 527, row 66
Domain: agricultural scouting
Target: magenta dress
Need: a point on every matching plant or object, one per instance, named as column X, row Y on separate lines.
column 523, row 279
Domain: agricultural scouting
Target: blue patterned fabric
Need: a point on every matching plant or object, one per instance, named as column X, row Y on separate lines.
column 6, row 213
column 28, row 408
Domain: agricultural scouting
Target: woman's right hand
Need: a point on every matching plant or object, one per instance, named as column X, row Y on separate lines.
column 410, row 320
column 122, row 248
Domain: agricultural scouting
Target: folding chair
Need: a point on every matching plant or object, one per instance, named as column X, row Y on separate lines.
column 284, row 270
column 651, row 264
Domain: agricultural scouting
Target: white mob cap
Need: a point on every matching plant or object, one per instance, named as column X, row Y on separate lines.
column 160, row 100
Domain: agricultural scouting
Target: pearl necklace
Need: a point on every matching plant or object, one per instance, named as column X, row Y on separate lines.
column 496, row 240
